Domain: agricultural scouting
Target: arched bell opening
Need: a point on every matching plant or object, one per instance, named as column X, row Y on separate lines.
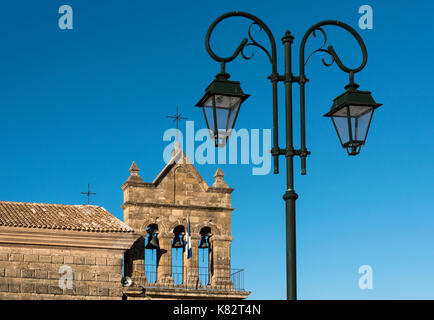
column 177, row 254
column 204, row 255
column 152, row 246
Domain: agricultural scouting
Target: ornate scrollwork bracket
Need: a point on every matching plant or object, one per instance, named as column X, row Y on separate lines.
column 246, row 42
column 330, row 50
column 254, row 43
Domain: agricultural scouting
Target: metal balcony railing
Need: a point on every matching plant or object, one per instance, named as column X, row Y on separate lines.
column 177, row 273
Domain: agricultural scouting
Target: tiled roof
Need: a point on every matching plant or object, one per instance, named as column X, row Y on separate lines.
column 60, row 217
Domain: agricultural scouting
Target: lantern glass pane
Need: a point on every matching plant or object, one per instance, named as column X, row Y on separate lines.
column 340, row 120
column 360, row 119
column 208, row 111
column 226, row 112
column 227, row 108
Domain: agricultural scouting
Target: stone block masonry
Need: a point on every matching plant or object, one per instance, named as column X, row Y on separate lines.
column 33, row 273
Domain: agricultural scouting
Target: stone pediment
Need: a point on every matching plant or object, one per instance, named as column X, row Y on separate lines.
column 179, row 187
column 178, row 176
column 180, row 165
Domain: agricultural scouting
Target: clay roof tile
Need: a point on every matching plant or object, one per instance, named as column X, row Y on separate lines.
column 87, row 218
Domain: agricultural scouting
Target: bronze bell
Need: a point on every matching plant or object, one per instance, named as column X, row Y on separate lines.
column 203, row 243
column 177, row 242
column 152, row 240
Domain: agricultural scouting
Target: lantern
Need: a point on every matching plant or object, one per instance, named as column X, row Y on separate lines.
column 221, row 105
column 351, row 114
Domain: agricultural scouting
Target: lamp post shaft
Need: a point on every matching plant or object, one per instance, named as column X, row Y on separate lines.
column 290, row 195
column 291, row 271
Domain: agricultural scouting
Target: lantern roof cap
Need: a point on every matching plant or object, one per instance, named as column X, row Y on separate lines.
column 352, row 96
column 221, row 85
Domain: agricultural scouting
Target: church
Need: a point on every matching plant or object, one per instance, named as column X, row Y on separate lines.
column 174, row 243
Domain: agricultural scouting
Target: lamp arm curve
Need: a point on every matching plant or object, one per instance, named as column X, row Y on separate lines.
column 330, row 50
column 335, row 58
column 245, row 42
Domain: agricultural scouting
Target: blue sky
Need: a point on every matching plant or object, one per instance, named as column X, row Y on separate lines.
column 78, row 106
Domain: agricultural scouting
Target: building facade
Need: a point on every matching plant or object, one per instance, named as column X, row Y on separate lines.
column 179, row 199
column 50, row 251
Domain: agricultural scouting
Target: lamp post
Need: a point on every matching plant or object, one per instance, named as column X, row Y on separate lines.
column 351, row 112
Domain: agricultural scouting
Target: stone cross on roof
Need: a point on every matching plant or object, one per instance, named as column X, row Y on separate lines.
column 88, row 193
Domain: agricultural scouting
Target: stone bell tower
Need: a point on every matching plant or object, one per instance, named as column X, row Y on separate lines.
column 162, row 209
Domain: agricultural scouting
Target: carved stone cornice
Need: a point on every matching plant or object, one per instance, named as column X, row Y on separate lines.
column 175, row 206
column 137, row 184
column 67, row 239
column 220, row 190
column 176, row 293
column 222, row 238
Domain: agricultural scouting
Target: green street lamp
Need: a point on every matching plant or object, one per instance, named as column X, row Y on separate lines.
column 351, row 112
column 221, row 104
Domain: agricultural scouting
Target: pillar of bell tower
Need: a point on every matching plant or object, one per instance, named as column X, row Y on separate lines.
column 134, row 262
column 164, row 260
column 221, row 251
column 191, row 265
